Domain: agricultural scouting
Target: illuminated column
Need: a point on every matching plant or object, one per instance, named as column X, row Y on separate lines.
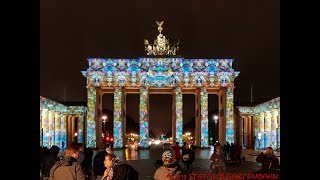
column 179, row 116
column 274, row 129
column 98, row 115
column 278, row 130
column 243, row 130
column 229, row 117
column 41, row 130
column 144, row 117
column 173, row 118
column 204, row 117
column 256, row 120
column 63, row 132
column 117, row 121
column 73, row 128
column 80, row 128
column 51, row 128
column 45, row 126
column 197, row 134
column 267, row 129
column 124, row 114
column 57, row 129
column 261, row 130
column 222, row 115
column 249, row 130
column 91, row 127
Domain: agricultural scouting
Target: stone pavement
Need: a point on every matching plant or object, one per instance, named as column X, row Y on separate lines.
column 144, row 160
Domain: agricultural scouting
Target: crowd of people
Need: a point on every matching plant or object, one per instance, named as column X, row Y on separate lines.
column 78, row 162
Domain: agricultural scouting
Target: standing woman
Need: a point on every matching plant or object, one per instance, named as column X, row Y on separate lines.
column 114, row 171
column 110, row 161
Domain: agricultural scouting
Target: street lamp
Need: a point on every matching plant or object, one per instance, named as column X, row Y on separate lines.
column 104, row 119
column 75, row 137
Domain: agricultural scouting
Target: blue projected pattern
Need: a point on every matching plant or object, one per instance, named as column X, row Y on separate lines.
column 160, row 72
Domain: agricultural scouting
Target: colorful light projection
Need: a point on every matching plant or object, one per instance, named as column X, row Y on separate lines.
column 91, row 126
column 261, row 129
column 160, row 72
column 278, row 130
column 57, row 129
column 144, row 118
column 179, row 116
column 256, row 130
column 63, row 132
column 266, row 119
column 80, row 128
column 53, row 121
column 274, row 124
column 51, row 128
column 117, row 120
column 267, row 129
column 229, row 116
column 45, row 127
column 41, row 130
column 204, row 117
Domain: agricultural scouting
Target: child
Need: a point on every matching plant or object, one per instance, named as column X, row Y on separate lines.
column 218, row 162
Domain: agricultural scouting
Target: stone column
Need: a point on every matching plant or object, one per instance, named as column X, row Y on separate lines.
column 267, row 129
column 80, row 128
column 57, row 129
column 204, row 117
column 229, row 116
column 117, row 120
column 274, row 129
column 144, row 117
column 69, row 130
column 249, row 132
column 51, row 128
column 256, row 125
column 243, row 130
column 63, row 132
column 41, row 130
column 98, row 115
column 278, row 130
column 222, row 115
column 173, row 119
column 178, row 114
column 91, row 124
column 261, row 130
column 124, row 114
column 73, row 130
column 197, row 118
column 45, row 127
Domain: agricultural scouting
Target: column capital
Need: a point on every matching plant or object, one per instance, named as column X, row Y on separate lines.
column 267, row 113
column 261, row 114
column 275, row 112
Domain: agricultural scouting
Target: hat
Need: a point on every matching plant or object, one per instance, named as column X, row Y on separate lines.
column 167, row 155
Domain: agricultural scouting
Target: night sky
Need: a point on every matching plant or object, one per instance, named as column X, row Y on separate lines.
column 247, row 31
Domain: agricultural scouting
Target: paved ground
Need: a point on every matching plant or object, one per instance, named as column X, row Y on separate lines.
column 143, row 161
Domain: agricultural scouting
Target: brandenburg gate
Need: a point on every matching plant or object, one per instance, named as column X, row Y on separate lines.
column 161, row 71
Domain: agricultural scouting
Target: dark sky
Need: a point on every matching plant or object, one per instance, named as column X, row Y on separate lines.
column 247, row 31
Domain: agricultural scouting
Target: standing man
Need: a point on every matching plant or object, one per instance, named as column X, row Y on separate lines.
column 68, row 168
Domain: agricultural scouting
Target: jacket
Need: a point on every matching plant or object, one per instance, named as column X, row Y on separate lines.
column 269, row 162
column 67, row 169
